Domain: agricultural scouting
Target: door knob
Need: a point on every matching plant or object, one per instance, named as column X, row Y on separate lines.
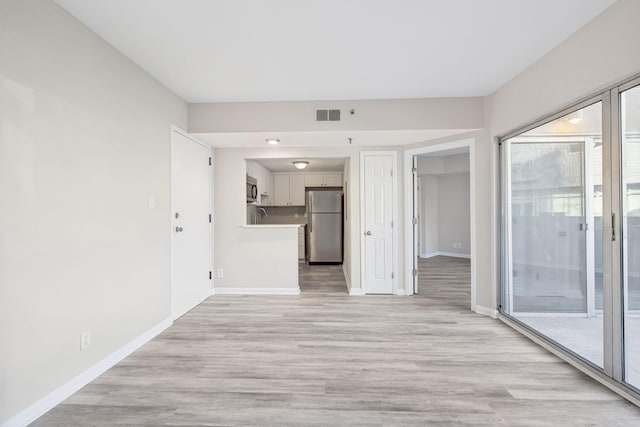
column 368, row 233
column 179, row 229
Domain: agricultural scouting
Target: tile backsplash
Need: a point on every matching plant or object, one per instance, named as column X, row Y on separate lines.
column 278, row 215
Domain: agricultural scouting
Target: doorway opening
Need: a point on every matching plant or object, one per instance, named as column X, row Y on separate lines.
column 441, row 236
column 314, row 199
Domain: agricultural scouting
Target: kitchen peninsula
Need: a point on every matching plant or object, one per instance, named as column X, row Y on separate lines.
column 268, row 255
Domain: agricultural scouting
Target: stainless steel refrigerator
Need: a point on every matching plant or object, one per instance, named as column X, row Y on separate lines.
column 324, row 228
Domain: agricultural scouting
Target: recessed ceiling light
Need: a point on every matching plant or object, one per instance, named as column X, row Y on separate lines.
column 575, row 120
column 273, row 141
column 300, row 164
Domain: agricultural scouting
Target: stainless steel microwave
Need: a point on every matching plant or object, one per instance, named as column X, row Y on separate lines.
column 252, row 189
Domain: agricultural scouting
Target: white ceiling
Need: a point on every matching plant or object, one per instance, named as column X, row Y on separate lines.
column 315, row 164
column 257, row 50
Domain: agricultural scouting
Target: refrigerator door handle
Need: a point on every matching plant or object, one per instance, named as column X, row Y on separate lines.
column 309, row 214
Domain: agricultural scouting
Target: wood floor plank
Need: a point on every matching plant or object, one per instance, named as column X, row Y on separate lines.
column 324, row 358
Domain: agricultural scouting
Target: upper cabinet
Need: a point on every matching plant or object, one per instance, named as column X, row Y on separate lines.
column 288, row 190
column 323, row 180
column 264, row 179
column 266, row 190
column 285, row 189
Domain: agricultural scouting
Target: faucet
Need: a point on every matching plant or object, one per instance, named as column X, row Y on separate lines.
column 255, row 214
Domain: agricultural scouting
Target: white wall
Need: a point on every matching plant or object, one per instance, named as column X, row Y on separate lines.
column 453, row 213
column 598, row 55
column 430, row 242
column 390, row 114
column 84, row 140
column 437, row 165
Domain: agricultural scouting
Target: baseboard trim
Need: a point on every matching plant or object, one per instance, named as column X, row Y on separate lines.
column 400, row 292
column 486, row 311
column 256, row 291
column 429, row 255
column 346, row 277
column 450, row 254
column 61, row 393
column 355, row 291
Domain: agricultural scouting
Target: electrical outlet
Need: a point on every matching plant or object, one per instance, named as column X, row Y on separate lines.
column 220, row 273
column 85, row 340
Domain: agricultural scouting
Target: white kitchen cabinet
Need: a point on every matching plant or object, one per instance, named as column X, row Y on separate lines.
column 265, row 187
column 264, row 179
column 288, row 190
column 323, row 180
column 333, row 180
column 313, row 180
column 252, row 169
column 281, row 190
column 297, row 190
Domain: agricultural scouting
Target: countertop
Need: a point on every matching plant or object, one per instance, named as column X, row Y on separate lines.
column 273, row 225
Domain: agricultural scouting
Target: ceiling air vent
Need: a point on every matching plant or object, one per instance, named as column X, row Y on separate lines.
column 328, row 115
column 322, row 115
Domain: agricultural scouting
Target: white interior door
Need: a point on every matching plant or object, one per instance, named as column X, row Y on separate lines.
column 191, row 229
column 378, row 217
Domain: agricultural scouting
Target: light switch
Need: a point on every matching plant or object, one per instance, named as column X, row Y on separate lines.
column 152, row 202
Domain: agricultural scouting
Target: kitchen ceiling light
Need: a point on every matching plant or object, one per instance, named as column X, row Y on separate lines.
column 273, row 141
column 300, row 164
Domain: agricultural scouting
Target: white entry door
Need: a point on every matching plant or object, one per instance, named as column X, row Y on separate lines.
column 377, row 225
column 190, row 219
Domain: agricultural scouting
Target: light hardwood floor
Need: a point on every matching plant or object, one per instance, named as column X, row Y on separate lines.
column 321, row 280
column 338, row 360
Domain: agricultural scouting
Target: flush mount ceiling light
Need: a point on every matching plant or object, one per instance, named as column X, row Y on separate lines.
column 273, row 141
column 300, row 164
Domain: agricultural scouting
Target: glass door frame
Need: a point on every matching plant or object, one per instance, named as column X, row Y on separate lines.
column 614, row 252
column 621, row 253
column 612, row 354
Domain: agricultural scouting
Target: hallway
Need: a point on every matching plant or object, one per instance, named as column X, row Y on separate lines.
column 373, row 360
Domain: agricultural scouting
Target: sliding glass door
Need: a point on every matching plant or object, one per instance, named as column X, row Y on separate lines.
column 554, row 210
column 570, row 190
column 630, row 136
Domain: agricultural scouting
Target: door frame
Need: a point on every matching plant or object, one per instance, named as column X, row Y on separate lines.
column 408, row 197
column 185, row 134
column 394, row 220
column 418, row 228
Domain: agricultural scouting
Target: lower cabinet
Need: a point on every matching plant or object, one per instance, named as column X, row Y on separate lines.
column 301, row 251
